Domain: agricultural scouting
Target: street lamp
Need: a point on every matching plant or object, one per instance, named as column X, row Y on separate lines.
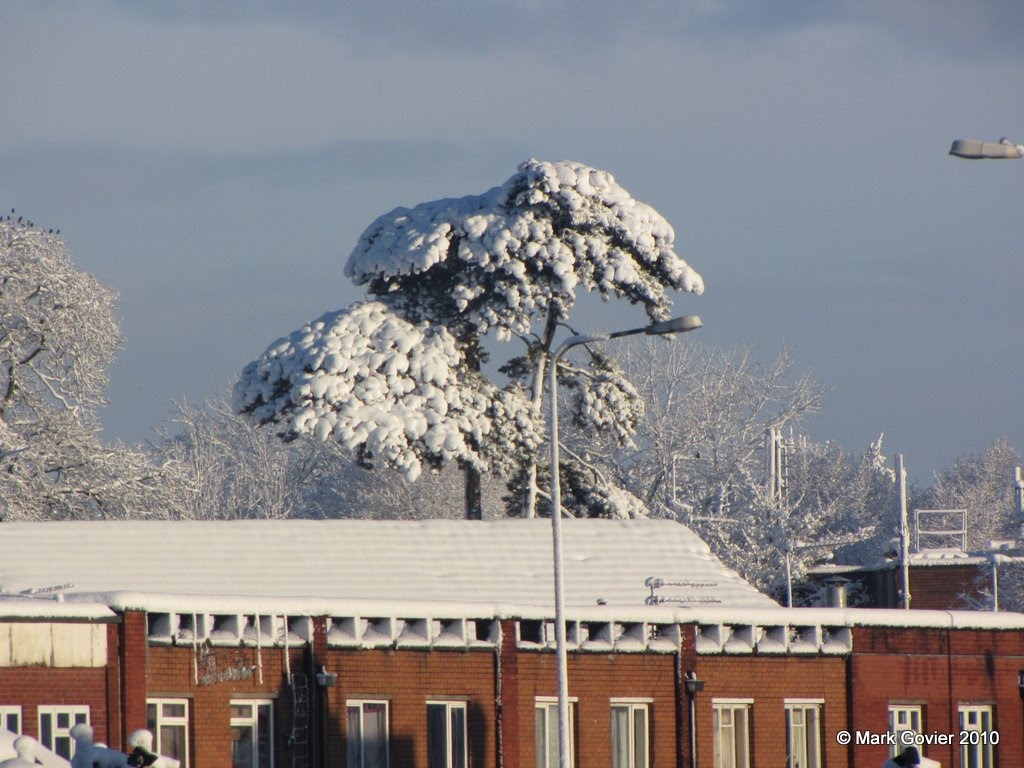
column 676, row 325
column 972, row 149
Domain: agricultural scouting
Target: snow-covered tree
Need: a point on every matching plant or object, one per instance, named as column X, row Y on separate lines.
column 700, row 456
column 984, row 486
column 58, row 335
column 387, row 390
column 219, row 465
column 452, row 274
column 999, row 586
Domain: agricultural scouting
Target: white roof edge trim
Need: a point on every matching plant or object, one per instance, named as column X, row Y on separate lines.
column 104, row 606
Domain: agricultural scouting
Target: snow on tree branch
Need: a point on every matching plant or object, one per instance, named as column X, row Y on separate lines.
column 510, row 261
column 58, row 335
column 377, row 384
column 501, row 259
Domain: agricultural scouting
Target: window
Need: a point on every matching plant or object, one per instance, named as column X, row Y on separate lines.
column 629, row 735
column 10, row 718
column 731, row 723
column 252, row 734
column 367, row 734
column 55, row 724
column 546, row 733
column 167, row 720
column 803, row 733
column 446, row 734
column 903, row 717
column 977, row 738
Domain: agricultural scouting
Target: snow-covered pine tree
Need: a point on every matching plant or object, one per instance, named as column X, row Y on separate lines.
column 505, row 265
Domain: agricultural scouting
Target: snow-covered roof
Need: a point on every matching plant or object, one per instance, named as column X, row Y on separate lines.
column 307, row 566
column 45, row 608
column 933, row 556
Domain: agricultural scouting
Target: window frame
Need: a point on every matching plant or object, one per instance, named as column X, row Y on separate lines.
column 15, row 711
column 57, row 732
column 361, row 704
column 633, row 707
column 254, row 722
column 739, row 738
column 810, row 742
column 914, row 711
column 161, row 721
column 547, row 706
column 984, row 750
column 450, row 758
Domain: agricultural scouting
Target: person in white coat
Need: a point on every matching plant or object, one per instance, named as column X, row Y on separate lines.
column 141, row 744
column 25, row 748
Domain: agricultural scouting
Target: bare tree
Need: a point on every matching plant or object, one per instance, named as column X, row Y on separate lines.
column 983, row 485
column 700, row 456
column 223, row 468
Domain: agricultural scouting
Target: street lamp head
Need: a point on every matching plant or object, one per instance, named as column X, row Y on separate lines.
column 675, row 325
column 972, row 149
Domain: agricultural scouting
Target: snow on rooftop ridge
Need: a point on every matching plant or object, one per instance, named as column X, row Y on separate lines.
column 427, row 562
column 17, row 607
column 855, row 617
column 939, row 553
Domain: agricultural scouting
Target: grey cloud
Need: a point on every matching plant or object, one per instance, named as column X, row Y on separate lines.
column 979, row 27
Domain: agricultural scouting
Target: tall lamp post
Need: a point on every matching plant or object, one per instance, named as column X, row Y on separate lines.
column 676, row 325
column 972, row 149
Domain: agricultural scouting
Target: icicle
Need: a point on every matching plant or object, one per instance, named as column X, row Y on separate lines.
column 195, row 649
column 287, row 660
column 259, row 650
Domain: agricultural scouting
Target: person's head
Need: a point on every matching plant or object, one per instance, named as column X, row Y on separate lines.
column 81, row 732
column 141, row 738
column 25, row 747
column 909, row 757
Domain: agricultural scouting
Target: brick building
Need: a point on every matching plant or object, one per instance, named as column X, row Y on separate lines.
column 353, row 643
column 943, row 580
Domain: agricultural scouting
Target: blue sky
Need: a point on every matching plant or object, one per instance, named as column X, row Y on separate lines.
column 215, row 168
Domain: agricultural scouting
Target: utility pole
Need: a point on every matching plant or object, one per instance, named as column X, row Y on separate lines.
column 901, row 478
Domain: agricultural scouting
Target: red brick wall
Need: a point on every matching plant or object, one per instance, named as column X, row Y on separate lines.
column 509, row 746
column 34, row 686
column 932, row 587
column 171, row 672
column 941, row 586
column 115, row 734
column 939, row 670
column 769, row 681
column 131, row 639
column 407, row 679
column 595, row 679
